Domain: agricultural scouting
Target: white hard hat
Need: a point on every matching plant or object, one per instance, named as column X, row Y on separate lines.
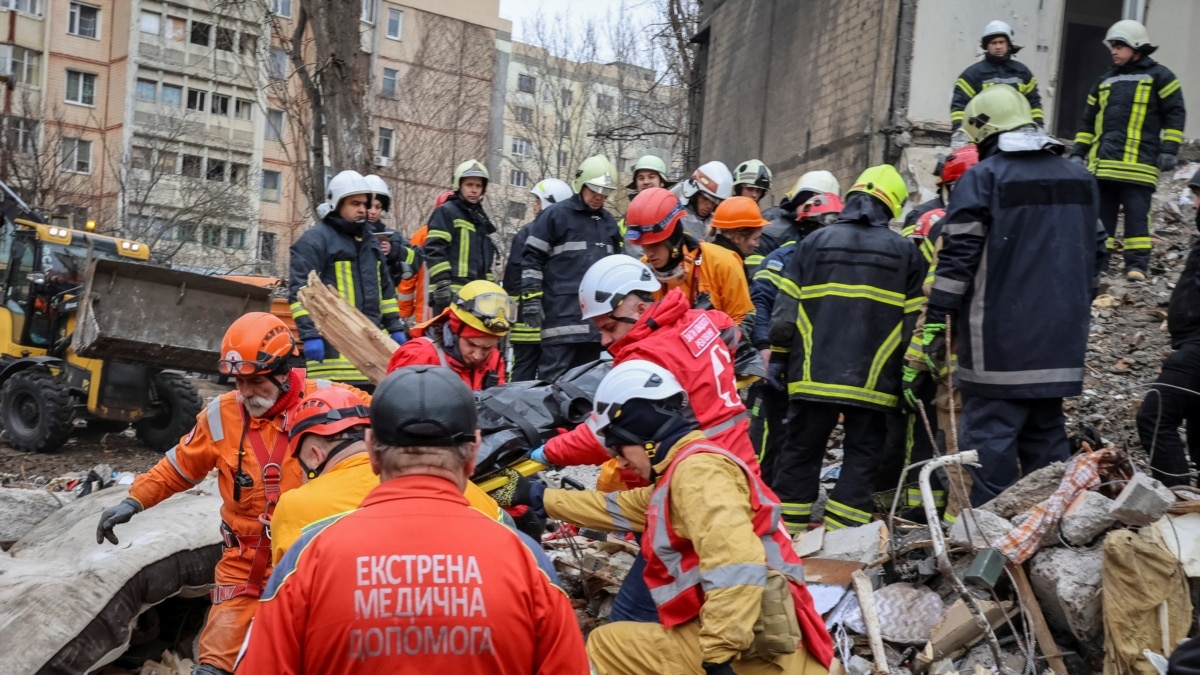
column 1131, row 33
column 552, row 191
column 381, row 190
column 609, row 280
column 344, row 184
column 713, row 179
column 995, row 29
column 816, row 182
column 628, row 381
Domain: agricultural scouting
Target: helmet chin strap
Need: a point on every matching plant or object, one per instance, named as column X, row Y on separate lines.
column 319, row 469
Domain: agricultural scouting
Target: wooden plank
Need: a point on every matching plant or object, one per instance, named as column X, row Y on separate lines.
column 362, row 343
column 866, row 601
column 1040, row 629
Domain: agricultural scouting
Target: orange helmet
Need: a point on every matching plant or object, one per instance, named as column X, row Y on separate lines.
column 823, row 208
column 257, row 343
column 653, row 215
column 958, row 162
column 737, row 213
column 325, row 412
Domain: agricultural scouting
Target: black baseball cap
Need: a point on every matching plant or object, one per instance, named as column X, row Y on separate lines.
column 423, row 405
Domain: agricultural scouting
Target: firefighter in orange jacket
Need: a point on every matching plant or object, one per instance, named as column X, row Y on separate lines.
column 710, row 276
column 241, row 435
column 465, row 337
column 415, row 581
column 719, row 562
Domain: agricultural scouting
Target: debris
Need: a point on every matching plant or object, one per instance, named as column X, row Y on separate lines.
column 808, row 543
column 958, row 629
column 1027, row 492
column 1086, row 518
column 870, row 617
column 975, row 529
column 1067, row 583
column 21, row 509
column 830, row 572
column 1181, row 536
column 1143, row 501
column 1033, row 610
column 907, row 613
column 864, row 544
column 985, row 568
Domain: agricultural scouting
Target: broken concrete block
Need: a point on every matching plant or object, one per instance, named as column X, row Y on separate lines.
column 1027, row 492
column 863, row 544
column 976, row 529
column 21, row 509
column 1086, row 518
column 1143, row 501
column 1068, row 585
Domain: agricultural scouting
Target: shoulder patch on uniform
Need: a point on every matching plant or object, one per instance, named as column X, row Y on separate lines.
column 699, row 335
column 775, row 264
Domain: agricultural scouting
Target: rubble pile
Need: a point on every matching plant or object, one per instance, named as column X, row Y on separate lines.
column 591, row 566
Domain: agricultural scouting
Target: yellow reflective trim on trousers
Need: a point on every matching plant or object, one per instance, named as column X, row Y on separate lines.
column 802, row 509
column 1168, row 89
column 840, row 510
column 343, row 272
column 828, row 390
column 298, row 310
column 1137, row 243
column 965, row 87
column 852, row 291
column 804, row 326
column 1137, row 119
column 884, row 353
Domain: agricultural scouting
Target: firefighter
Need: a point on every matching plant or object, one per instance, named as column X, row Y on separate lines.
column 563, row 242
column 859, row 287
column 648, row 171
column 411, row 294
column 919, row 222
column 782, row 220
column 241, row 435
column 1005, row 262
column 752, row 179
column 342, row 250
column 728, row 587
column 465, row 337
column 769, row 399
column 526, row 341
column 402, row 259
column 737, row 225
column 459, row 247
column 701, row 194
column 710, row 277
column 472, row 598
column 1132, row 128
column 997, row 67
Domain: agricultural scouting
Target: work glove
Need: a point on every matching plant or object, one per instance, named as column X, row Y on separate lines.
column 399, row 337
column 718, row 668
column 934, row 347
column 314, row 349
column 1167, row 161
column 442, row 295
column 520, row 491
column 538, row 454
column 531, row 311
column 1079, row 159
column 113, row 516
column 777, row 373
column 913, row 382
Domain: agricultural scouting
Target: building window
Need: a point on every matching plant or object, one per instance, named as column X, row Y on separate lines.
column 516, row 210
column 604, row 102
column 385, row 142
column 564, row 128
column 196, row 99
column 176, row 27
column 172, row 95
column 211, row 235
column 83, row 20
column 192, row 166
column 25, row 6
column 150, row 23
column 568, row 97
column 243, row 109
column 271, row 182
column 520, row 147
column 199, row 34
column 623, row 164
column 274, row 130
column 76, row 155
column 370, row 9
column 239, row 174
column 26, row 66
column 147, row 90
column 395, row 23
column 266, row 246
column 277, row 63
column 527, row 84
column 167, row 162
column 518, row 178
column 248, row 44
column 22, row 135
column 220, row 104
column 189, row 232
column 562, row 158
column 141, row 158
column 389, row 82
column 81, row 88
column 216, row 171
column 630, row 106
column 225, row 38
column 282, row 8
column 523, row 115
column 235, row 238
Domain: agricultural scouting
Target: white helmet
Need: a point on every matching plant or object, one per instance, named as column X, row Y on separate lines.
column 996, row 29
column 552, row 191
column 380, row 188
column 713, row 179
column 816, row 182
column 1131, row 33
column 609, row 280
column 343, row 185
column 628, row 381
column 323, row 209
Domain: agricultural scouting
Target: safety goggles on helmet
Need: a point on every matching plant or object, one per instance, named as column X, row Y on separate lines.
column 234, row 365
column 634, row 233
column 496, row 311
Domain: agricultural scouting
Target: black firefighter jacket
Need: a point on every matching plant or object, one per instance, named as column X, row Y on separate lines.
column 1017, row 272
column 563, row 242
column 1183, row 311
column 989, row 72
column 459, row 246
column 860, row 291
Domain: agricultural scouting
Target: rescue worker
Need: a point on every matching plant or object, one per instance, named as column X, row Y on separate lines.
column 465, row 337
column 859, row 287
column 241, row 435
column 1132, row 128
column 411, row 294
column 782, row 220
column 752, row 179
column 341, row 249
column 729, row 588
column 402, row 259
column 737, row 225
column 701, row 194
column 472, row 596
column 1005, row 262
column 563, row 242
column 1169, row 406
column 526, row 341
column 919, row 222
column 768, row 398
column 710, row 277
column 997, row 67
column 459, row 247
column 648, row 171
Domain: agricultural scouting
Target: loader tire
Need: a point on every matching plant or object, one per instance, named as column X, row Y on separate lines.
column 182, row 405
column 37, row 409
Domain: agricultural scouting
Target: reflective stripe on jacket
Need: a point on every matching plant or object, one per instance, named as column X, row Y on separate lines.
column 989, row 72
column 458, row 245
column 521, row 332
column 410, row 293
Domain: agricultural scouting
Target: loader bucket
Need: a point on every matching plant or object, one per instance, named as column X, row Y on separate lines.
column 161, row 317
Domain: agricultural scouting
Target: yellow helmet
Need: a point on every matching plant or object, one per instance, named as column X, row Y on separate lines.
column 485, row 306
column 994, row 110
column 884, row 183
column 598, row 174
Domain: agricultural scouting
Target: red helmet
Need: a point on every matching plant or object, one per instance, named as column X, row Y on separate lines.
column 653, row 216
column 258, row 343
column 926, row 222
column 958, row 162
column 325, row 412
column 823, row 208
column 442, row 198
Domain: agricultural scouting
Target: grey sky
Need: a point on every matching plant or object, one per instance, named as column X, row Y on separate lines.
column 521, row 12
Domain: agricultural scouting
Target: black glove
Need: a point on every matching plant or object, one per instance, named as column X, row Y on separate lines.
column 531, row 311
column 113, row 516
column 1167, row 162
column 777, row 373
column 442, row 295
column 718, row 668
